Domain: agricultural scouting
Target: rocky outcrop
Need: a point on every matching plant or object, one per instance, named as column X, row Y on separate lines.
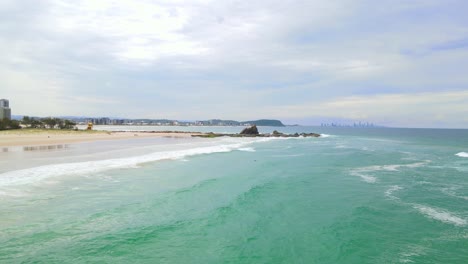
column 253, row 132
column 276, row 133
column 250, row 131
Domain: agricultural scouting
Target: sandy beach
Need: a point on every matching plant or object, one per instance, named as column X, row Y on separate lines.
column 37, row 137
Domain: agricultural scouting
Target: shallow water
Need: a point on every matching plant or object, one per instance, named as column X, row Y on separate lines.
column 354, row 196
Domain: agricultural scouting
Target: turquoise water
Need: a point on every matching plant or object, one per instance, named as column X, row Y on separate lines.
column 353, row 196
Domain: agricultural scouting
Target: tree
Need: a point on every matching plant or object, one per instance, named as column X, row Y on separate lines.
column 14, row 124
column 37, row 124
column 69, row 124
column 60, row 123
column 26, row 120
column 9, row 124
column 50, row 122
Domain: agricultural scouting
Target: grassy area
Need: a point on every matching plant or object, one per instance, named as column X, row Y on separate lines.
column 29, row 131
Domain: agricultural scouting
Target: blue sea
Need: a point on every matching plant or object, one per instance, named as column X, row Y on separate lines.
column 354, row 195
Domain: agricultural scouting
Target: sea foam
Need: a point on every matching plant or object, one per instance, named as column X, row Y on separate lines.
column 389, row 192
column 440, row 215
column 364, row 177
column 462, row 154
column 247, row 149
column 37, row 174
column 395, row 167
column 364, row 172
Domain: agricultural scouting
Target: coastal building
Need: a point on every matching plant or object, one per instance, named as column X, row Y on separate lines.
column 5, row 111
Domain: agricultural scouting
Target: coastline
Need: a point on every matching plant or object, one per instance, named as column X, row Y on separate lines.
column 38, row 137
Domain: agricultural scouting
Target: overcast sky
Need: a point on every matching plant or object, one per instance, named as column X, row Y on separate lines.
column 391, row 62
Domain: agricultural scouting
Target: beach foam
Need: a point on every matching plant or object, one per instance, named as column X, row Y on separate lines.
column 37, row 174
column 440, row 215
column 462, row 154
column 247, row 149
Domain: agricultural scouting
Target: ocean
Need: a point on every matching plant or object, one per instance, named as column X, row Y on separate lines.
column 355, row 195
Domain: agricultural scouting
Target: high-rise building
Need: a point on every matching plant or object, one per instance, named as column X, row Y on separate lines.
column 4, row 103
column 5, row 111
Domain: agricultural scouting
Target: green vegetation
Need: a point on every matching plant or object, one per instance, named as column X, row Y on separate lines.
column 42, row 123
column 6, row 124
column 46, row 131
column 48, row 122
column 264, row 122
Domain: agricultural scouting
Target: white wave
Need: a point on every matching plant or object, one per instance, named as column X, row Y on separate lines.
column 424, row 183
column 452, row 191
column 341, row 146
column 325, row 136
column 364, row 177
column 389, row 192
column 462, row 154
column 37, row 174
column 440, row 215
column 365, row 172
column 412, row 251
column 287, row 155
column 367, row 149
column 392, row 167
column 247, row 149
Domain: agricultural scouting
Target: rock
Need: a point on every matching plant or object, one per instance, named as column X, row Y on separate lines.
column 253, row 132
column 310, row 135
column 250, row 131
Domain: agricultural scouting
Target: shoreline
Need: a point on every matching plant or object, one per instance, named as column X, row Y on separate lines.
column 47, row 137
column 39, row 137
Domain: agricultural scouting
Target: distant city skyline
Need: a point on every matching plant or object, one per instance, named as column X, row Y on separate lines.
column 393, row 62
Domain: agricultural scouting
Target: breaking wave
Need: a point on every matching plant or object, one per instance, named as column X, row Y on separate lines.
column 440, row 215
column 462, row 154
column 247, row 149
column 364, row 172
column 364, row 177
column 36, row 174
column 389, row 192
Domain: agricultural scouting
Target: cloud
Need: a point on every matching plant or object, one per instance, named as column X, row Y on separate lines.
column 192, row 59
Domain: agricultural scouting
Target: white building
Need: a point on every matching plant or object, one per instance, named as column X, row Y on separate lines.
column 5, row 111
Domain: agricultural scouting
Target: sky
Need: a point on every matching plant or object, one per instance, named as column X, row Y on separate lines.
column 391, row 62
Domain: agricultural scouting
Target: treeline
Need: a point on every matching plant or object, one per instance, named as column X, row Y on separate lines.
column 28, row 122
column 48, row 122
column 6, row 124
